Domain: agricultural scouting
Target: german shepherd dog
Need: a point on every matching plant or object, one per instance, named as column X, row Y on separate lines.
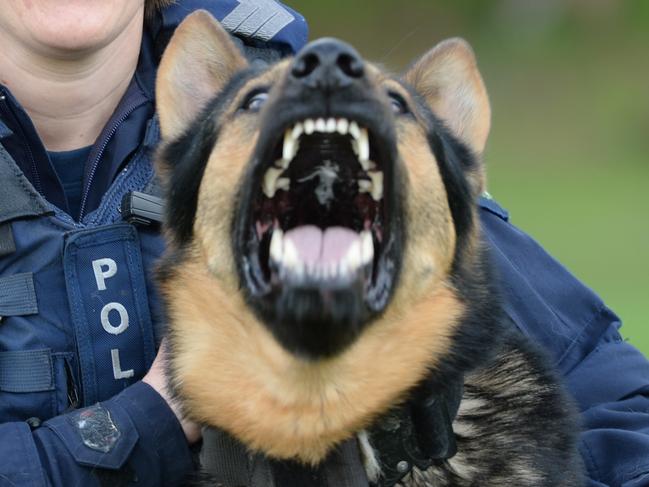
column 326, row 279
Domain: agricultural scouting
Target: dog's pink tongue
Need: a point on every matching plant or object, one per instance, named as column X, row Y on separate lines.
column 318, row 247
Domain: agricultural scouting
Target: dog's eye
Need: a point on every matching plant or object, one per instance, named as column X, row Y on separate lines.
column 399, row 105
column 255, row 101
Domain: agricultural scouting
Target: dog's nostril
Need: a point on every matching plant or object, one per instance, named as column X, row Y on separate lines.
column 305, row 65
column 351, row 65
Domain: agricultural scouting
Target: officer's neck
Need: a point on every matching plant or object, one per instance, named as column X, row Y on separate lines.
column 70, row 96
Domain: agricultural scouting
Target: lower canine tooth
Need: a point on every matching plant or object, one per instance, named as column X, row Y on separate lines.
column 283, row 184
column 269, row 185
column 276, row 244
column 367, row 247
column 353, row 258
column 290, row 256
column 377, row 184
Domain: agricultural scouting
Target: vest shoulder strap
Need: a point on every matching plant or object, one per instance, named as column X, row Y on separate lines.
column 18, row 198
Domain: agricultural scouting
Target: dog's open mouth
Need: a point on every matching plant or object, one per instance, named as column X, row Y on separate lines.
column 318, row 237
column 319, row 216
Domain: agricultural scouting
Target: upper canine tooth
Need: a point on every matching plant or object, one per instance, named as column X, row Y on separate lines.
column 290, row 147
column 354, row 130
column 276, row 245
column 377, row 184
column 331, row 125
column 309, row 126
column 298, row 128
column 355, row 147
column 342, row 126
column 320, row 125
column 363, row 147
column 269, row 185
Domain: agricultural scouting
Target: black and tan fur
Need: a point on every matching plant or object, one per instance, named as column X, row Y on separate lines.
column 443, row 321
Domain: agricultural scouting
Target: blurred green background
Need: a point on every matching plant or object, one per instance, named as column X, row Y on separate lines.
column 569, row 148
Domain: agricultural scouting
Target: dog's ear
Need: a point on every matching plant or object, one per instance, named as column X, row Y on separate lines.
column 447, row 77
column 199, row 60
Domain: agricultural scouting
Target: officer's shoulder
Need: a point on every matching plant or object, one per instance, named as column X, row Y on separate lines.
column 545, row 300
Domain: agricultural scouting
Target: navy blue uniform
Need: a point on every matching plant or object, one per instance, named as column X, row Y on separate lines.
column 80, row 317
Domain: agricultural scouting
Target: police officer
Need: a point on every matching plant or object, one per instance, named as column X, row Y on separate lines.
column 80, row 318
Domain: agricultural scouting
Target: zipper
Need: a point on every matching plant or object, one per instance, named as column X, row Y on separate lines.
column 97, row 159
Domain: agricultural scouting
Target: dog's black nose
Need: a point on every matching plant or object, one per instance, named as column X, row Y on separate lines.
column 328, row 64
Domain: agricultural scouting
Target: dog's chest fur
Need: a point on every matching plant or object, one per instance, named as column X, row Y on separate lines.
column 513, row 427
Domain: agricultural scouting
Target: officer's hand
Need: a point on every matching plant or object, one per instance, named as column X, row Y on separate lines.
column 157, row 379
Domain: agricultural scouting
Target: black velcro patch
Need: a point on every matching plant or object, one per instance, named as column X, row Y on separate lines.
column 7, row 244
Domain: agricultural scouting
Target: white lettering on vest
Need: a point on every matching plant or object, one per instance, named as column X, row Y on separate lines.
column 123, row 318
column 103, row 268
column 118, row 373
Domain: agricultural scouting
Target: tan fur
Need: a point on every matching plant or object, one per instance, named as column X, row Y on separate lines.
column 294, row 408
column 198, row 62
column 448, row 78
column 229, row 369
column 221, row 178
column 281, row 404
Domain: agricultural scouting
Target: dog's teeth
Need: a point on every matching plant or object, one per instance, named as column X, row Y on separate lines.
column 331, row 125
column 282, row 163
column 298, row 129
column 290, row 147
column 364, row 186
column 354, row 130
column 269, row 186
column 283, row 184
column 363, row 147
column 355, row 147
column 366, row 164
column 377, row 184
column 290, row 257
column 342, row 126
column 367, row 247
column 309, row 126
column 354, row 258
column 320, row 125
column 276, row 245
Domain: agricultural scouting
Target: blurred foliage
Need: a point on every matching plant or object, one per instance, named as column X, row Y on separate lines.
column 569, row 148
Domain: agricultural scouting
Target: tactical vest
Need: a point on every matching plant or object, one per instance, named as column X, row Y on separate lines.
column 79, row 314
